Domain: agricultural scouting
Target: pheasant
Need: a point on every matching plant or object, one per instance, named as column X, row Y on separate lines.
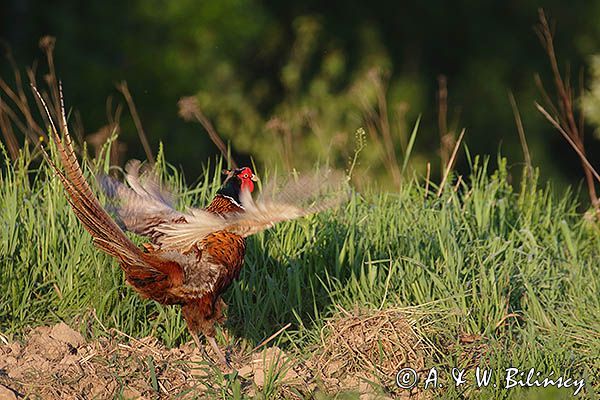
column 192, row 256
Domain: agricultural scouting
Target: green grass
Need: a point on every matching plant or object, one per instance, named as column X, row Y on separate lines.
column 516, row 265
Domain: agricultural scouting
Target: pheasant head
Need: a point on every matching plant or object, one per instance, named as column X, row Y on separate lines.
column 237, row 180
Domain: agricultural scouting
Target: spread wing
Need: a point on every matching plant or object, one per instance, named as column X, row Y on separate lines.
column 147, row 273
column 297, row 198
column 146, row 208
column 144, row 204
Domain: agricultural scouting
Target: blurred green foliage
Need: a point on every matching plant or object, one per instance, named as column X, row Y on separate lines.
column 291, row 82
column 591, row 99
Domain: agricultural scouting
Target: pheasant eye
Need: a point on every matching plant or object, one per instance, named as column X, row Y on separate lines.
column 245, row 176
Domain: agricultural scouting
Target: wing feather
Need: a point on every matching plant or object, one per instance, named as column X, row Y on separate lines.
column 298, row 198
column 147, row 184
column 143, row 205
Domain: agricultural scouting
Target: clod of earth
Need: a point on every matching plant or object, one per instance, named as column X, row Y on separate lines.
column 6, row 393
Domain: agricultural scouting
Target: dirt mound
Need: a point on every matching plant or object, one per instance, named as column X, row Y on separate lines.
column 364, row 350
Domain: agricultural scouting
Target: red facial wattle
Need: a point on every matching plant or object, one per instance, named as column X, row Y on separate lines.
column 247, row 184
column 247, row 179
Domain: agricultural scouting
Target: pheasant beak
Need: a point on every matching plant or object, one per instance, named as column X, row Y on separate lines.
column 254, row 178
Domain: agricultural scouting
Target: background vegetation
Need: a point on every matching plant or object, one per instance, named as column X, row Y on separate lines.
column 494, row 253
column 290, row 83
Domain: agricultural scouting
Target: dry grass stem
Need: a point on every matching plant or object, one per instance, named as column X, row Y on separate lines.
column 446, row 135
column 571, row 142
column 124, row 89
column 273, row 336
column 562, row 114
column 378, row 125
column 521, row 131
column 427, row 178
column 450, row 163
column 189, row 110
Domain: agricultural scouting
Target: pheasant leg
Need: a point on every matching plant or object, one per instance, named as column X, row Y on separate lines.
column 197, row 341
column 213, row 343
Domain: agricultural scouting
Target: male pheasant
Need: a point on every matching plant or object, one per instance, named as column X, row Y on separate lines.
column 192, row 256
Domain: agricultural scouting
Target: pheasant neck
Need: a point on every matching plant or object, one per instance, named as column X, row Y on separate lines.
column 224, row 204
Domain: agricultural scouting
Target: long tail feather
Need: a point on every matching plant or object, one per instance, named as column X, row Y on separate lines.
column 105, row 232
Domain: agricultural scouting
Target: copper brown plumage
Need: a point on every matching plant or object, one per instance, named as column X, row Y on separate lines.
column 192, row 256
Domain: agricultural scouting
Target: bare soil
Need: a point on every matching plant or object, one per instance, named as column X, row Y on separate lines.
column 360, row 352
